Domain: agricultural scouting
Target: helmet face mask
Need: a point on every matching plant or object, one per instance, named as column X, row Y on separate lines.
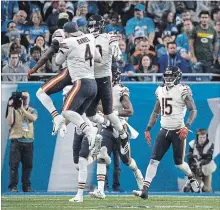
column 96, row 24
column 172, row 76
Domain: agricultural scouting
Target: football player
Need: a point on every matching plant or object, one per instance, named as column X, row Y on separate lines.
column 172, row 101
column 79, row 51
column 109, row 49
column 123, row 108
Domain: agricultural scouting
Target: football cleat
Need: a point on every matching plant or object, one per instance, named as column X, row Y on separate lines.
column 57, row 123
column 91, row 136
column 139, row 178
column 63, row 130
column 76, row 199
column 103, row 154
column 141, row 193
column 124, row 146
column 95, row 151
column 97, row 194
column 195, row 187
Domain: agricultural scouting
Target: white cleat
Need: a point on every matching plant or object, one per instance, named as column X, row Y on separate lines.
column 194, row 185
column 63, row 130
column 95, row 151
column 97, row 194
column 91, row 136
column 58, row 121
column 76, row 199
column 103, row 154
column 139, row 178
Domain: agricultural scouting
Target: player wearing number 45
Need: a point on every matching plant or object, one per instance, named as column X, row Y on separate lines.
column 172, row 101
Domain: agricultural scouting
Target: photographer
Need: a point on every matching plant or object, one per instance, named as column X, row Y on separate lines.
column 200, row 160
column 20, row 118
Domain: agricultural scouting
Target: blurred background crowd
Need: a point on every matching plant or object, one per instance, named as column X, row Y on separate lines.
column 152, row 34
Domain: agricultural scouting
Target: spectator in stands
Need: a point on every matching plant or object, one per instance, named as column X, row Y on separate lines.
column 14, row 66
column 126, row 67
column 40, row 42
column 157, row 8
column 81, row 11
column 144, row 50
column 35, row 56
column 52, row 20
column 205, row 5
column 145, row 66
column 166, row 27
column 14, row 37
column 11, row 26
column 183, row 39
column 203, row 44
column 36, row 28
column 200, row 160
column 173, row 59
column 215, row 15
column 139, row 23
column 20, row 117
column 114, row 25
column 217, row 29
column 162, row 48
column 185, row 15
column 8, row 9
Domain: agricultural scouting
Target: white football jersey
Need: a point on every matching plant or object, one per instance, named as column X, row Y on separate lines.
column 108, row 46
column 173, row 108
column 119, row 91
column 79, row 53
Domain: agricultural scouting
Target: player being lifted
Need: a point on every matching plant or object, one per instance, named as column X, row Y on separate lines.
column 56, row 83
column 109, row 49
column 123, row 107
column 173, row 99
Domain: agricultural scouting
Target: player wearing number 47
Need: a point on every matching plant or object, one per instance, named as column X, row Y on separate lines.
column 172, row 101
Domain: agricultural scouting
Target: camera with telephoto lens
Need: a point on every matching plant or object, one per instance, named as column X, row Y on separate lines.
column 17, row 99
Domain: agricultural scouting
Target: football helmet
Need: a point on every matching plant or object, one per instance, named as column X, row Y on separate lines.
column 96, row 24
column 116, row 76
column 172, row 76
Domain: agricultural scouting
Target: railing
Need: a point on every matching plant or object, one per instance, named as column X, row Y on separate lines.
column 154, row 77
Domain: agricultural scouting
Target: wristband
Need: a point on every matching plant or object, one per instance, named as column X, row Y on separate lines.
column 148, row 128
column 187, row 125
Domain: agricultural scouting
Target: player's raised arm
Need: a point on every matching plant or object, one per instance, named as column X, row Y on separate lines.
column 152, row 121
column 45, row 57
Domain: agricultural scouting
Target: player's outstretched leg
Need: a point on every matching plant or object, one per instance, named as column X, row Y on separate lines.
column 195, row 187
column 103, row 160
column 150, row 174
column 47, row 102
column 137, row 173
column 82, row 177
column 122, row 133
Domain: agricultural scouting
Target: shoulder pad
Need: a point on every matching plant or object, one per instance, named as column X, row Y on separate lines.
column 124, row 91
column 64, row 45
column 59, row 35
column 185, row 90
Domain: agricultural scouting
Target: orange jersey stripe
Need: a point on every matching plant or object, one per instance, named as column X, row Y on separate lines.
column 54, row 81
column 72, row 94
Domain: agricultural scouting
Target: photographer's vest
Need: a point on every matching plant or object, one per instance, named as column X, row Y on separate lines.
column 22, row 127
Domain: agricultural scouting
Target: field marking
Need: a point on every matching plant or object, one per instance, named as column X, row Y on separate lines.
column 121, row 207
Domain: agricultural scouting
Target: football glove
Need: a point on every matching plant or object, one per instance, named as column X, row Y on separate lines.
column 148, row 137
column 183, row 133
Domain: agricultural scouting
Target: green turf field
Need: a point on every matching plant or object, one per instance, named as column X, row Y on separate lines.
column 111, row 202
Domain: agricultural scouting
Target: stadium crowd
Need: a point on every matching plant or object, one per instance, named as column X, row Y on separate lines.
column 152, row 34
